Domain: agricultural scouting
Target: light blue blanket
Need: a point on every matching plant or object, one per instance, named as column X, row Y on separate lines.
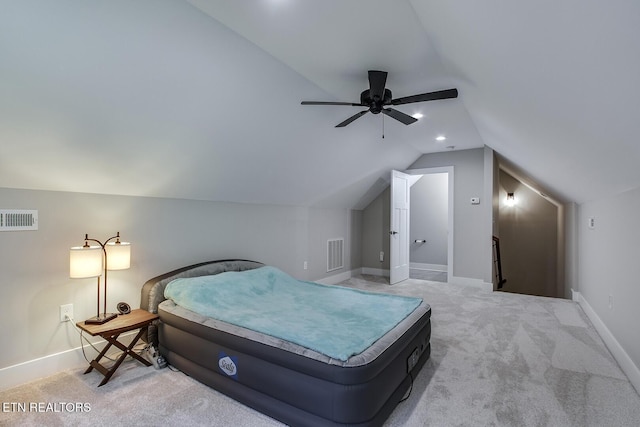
column 335, row 321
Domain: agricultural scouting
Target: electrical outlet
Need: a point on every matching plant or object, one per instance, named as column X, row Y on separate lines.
column 305, row 265
column 66, row 312
column 381, row 256
column 610, row 302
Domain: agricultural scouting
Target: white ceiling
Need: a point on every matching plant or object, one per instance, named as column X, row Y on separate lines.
column 200, row 99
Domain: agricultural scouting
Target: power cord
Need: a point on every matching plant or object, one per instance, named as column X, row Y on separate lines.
column 406, row 396
column 82, row 345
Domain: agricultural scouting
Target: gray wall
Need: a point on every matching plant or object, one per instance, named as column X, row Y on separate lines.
column 471, row 223
column 325, row 224
column 376, row 223
column 165, row 234
column 429, row 219
column 609, row 264
column 528, row 240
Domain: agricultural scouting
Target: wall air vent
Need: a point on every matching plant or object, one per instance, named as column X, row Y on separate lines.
column 335, row 254
column 18, row 220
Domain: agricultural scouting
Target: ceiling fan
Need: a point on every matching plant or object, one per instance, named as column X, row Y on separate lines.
column 377, row 97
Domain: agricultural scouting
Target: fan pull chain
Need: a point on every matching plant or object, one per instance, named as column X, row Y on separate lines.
column 383, row 126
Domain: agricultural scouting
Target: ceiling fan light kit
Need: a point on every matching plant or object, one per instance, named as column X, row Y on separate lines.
column 377, row 97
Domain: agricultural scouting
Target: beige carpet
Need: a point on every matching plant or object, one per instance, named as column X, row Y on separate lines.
column 497, row 359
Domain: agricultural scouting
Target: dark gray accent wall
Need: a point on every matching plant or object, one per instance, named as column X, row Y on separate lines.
column 528, row 240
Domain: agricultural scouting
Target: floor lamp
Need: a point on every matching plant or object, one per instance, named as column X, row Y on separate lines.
column 94, row 261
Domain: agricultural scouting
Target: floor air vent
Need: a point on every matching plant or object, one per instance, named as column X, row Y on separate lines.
column 335, row 254
column 18, row 220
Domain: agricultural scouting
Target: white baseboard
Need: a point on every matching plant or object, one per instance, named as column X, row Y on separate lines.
column 626, row 364
column 340, row 277
column 376, row 271
column 468, row 281
column 575, row 295
column 431, row 267
column 25, row 372
column 31, row 370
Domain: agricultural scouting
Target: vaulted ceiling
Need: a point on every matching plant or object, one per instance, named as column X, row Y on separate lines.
column 200, row 99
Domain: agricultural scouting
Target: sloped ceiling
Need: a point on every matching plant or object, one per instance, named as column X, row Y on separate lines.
column 200, row 99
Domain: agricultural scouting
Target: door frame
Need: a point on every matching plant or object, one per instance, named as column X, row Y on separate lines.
column 449, row 170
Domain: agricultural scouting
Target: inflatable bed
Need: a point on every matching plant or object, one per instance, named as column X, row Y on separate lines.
column 303, row 353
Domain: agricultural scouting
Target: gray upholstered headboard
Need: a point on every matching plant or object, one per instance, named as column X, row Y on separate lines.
column 153, row 290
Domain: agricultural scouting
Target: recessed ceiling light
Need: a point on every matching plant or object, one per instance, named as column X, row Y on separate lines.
column 418, row 116
column 441, row 138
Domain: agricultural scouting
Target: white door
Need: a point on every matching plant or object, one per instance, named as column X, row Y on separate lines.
column 399, row 233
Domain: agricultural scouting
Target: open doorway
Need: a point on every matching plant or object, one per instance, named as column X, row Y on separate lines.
column 431, row 236
column 428, row 237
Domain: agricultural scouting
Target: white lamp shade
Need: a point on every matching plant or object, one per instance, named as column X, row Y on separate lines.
column 118, row 255
column 85, row 262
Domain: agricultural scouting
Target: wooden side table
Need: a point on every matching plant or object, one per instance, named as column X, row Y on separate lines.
column 110, row 331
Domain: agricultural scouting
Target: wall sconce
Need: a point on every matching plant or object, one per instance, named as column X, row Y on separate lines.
column 511, row 199
column 93, row 261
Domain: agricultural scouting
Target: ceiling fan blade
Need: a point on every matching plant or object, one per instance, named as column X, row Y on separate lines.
column 331, row 103
column 377, row 82
column 431, row 96
column 399, row 116
column 352, row 118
